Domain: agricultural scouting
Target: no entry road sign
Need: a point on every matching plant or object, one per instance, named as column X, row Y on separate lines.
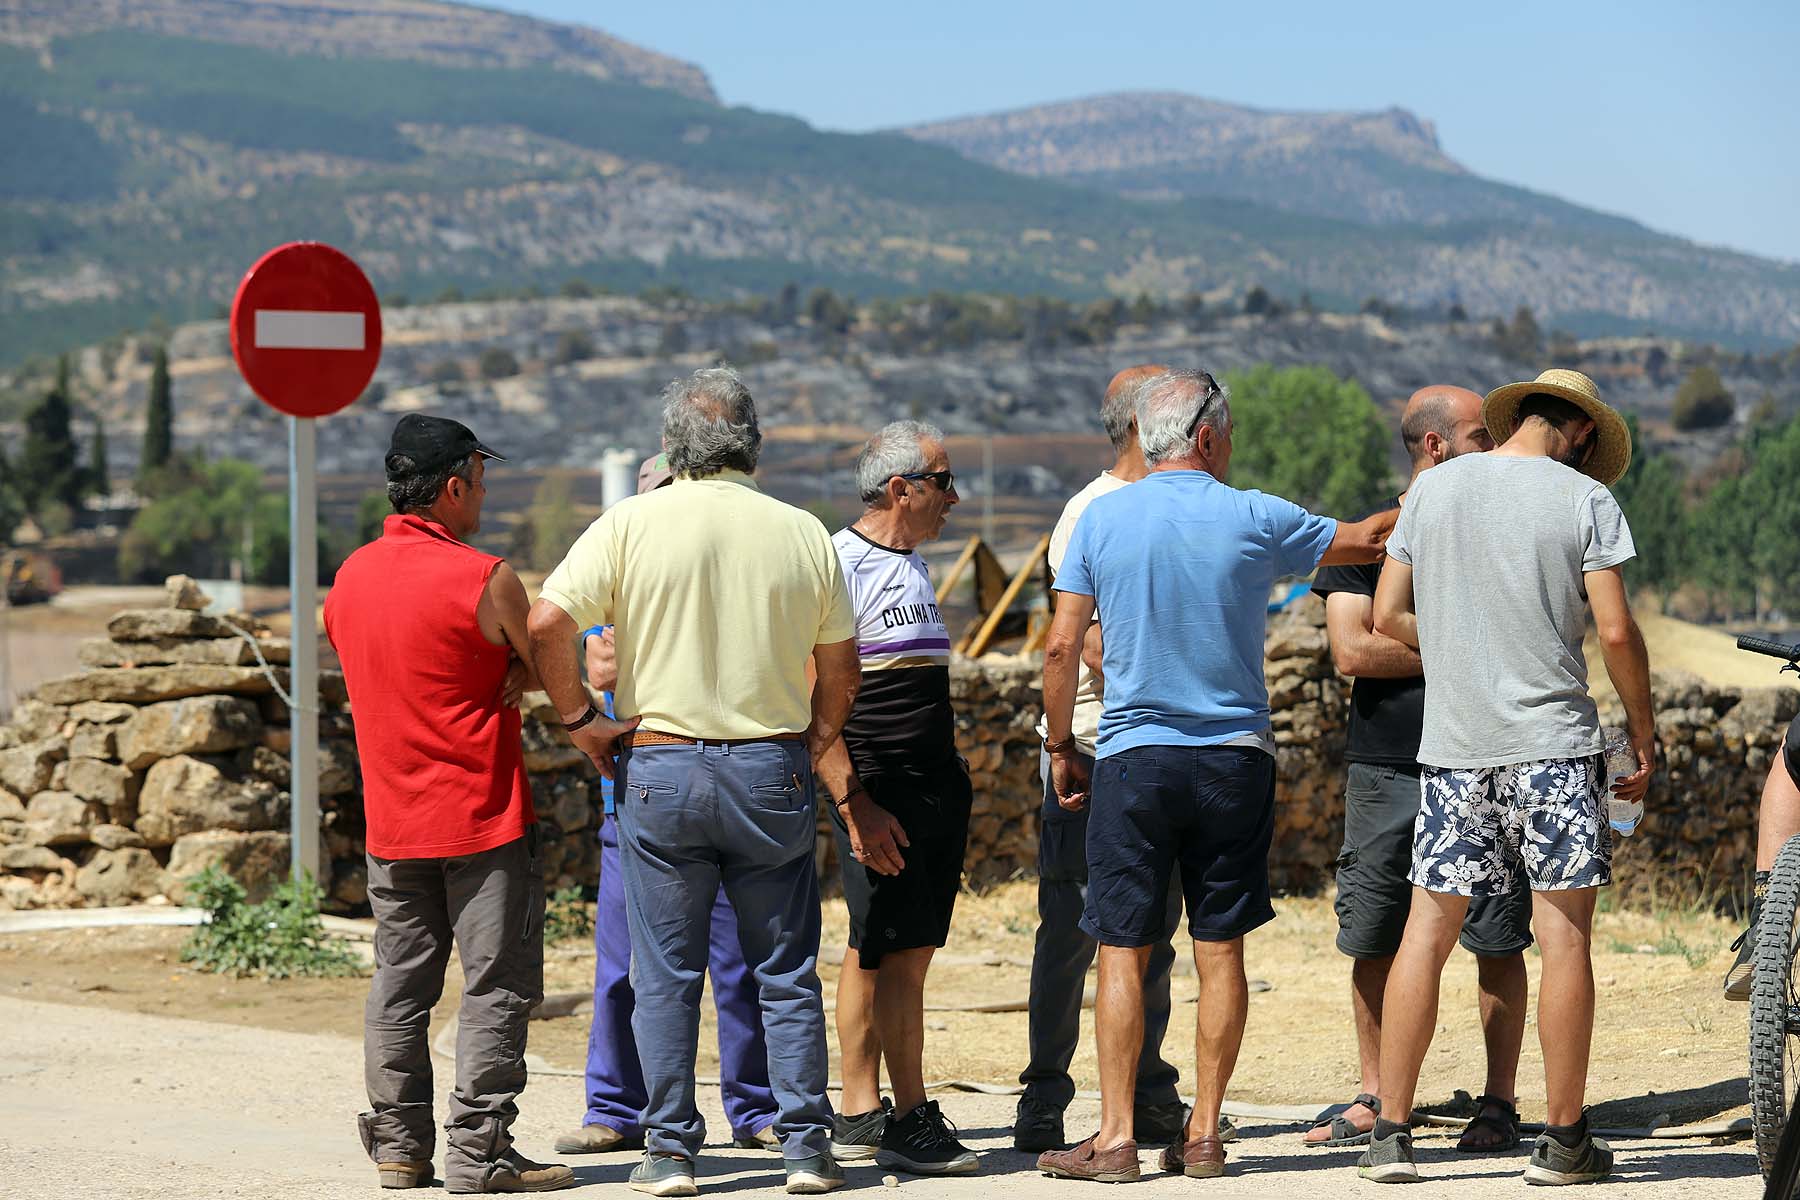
column 306, row 329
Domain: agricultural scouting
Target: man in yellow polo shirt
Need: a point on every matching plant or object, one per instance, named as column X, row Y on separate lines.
column 718, row 595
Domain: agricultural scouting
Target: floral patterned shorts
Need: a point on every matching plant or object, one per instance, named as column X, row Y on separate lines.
column 1480, row 828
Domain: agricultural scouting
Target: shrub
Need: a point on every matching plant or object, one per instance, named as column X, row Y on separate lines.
column 280, row 938
column 567, row 916
column 1702, row 401
column 497, row 362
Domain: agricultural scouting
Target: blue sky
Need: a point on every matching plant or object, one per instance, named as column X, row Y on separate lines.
column 1685, row 116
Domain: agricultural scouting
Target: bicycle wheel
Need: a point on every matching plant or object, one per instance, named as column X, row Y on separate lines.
column 1775, row 1007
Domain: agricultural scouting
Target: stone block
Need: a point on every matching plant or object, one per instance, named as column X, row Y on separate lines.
column 146, row 685
column 548, row 749
column 350, row 883
column 60, row 819
column 338, row 769
column 231, row 651
column 106, row 784
column 148, row 624
column 100, row 712
column 180, row 591
column 257, row 860
column 33, row 859
column 11, row 807
column 184, row 795
column 94, row 741
column 196, row 725
column 37, row 721
column 115, row 837
column 27, row 769
column 119, row 876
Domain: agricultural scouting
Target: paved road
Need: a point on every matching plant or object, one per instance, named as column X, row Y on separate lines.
column 118, row 1105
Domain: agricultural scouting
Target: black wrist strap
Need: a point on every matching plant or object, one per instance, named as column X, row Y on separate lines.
column 850, row 795
column 584, row 720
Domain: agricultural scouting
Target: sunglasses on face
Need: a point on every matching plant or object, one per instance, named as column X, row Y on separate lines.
column 945, row 480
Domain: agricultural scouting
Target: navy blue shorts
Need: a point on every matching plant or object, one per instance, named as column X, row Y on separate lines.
column 1207, row 810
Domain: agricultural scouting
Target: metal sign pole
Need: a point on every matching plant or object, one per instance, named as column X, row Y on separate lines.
column 303, row 575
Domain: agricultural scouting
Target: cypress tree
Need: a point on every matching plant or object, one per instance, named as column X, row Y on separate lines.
column 49, row 467
column 99, row 476
column 159, row 419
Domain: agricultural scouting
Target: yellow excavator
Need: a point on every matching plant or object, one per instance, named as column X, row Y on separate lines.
column 29, row 578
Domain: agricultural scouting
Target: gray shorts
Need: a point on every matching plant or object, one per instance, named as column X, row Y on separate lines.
column 1374, row 896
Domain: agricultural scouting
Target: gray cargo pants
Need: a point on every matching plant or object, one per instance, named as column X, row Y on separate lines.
column 492, row 905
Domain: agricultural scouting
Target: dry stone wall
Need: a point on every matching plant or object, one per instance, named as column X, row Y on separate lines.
column 169, row 752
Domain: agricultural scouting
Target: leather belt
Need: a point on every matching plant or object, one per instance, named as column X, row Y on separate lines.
column 652, row 737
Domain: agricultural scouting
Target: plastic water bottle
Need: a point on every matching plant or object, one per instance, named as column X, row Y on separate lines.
column 1621, row 761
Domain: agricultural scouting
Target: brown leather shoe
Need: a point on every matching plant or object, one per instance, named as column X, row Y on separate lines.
column 1088, row 1161
column 404, row 1174
column 1202, row 1158
column 513, row 1172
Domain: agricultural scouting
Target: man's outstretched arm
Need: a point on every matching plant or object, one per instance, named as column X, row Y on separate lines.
column 1628, row 665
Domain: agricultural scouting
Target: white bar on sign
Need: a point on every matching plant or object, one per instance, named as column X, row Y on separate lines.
column 305, row 329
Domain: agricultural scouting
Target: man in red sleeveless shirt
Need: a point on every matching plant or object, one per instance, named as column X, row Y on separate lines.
column 431, row 633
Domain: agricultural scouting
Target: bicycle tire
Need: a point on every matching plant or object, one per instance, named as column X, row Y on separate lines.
column 1773, row 1002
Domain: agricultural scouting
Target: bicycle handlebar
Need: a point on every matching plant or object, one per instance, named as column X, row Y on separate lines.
column 1765, row 646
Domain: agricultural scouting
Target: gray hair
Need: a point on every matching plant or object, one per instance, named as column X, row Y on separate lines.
column 709, row 424
column 1118, row 410
column 1170, row 409
column 897, row 449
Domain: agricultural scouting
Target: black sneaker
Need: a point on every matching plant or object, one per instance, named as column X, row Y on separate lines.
column 1038, row 1126
column 924, row 1142
column 1737, row 979
column 1587, row 1161
column 856, row 1138
column 1389, row 1159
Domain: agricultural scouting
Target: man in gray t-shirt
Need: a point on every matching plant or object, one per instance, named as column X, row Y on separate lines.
column 1491, row 572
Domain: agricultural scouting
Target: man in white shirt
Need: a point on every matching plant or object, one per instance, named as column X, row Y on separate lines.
column 1060, row 961
column 901, row 741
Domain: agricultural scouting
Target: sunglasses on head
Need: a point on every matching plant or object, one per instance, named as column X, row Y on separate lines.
column 1206, row 402
column 945, row 480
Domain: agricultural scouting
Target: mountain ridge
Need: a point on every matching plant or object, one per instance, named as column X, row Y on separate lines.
column 416, row 30
column 142, row 172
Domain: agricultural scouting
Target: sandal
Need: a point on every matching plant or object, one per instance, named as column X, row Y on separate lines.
column 1504, row 1129
column 1343, row 1133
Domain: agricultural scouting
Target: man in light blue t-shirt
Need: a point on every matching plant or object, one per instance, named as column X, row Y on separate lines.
column 1179, row 567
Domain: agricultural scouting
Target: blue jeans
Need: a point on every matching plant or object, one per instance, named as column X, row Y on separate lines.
column 615, row 1080
column 690, row 819
column 1060, row 962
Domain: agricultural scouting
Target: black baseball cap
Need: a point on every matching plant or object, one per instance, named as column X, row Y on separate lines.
column 431, row 443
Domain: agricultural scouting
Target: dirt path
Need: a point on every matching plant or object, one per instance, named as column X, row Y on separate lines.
column 129, row 1105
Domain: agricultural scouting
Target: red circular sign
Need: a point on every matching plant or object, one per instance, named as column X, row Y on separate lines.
column 306, row 329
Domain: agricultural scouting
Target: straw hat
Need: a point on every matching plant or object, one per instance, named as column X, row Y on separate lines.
column 1612, row 445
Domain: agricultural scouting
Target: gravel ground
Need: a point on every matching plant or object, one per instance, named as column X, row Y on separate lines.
column 126, row 1105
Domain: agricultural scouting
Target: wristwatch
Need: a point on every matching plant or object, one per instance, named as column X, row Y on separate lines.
column 584, row 720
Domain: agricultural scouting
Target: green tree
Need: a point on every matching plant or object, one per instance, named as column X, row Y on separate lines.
column 1702, row 401
column 1305, row 434
column 551, row 525
column 1523, row 340
column 12, row 505
column 1651, row 495
column 1773, row 486
column 49, row 467
column 372, row 512
column 159, row 418
column 99, row 477
column 197, row 522
column 1256, row 300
